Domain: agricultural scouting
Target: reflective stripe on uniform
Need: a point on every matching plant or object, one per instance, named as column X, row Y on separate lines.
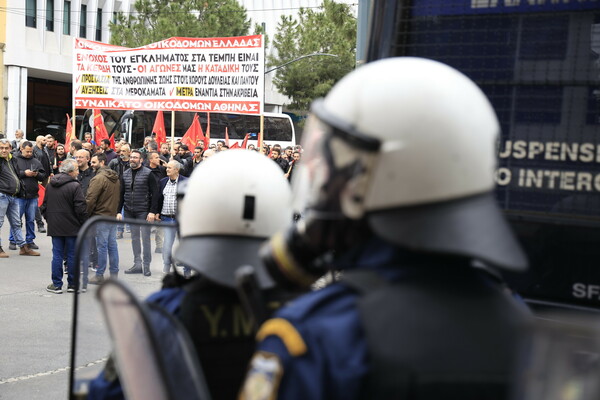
column 284, row 330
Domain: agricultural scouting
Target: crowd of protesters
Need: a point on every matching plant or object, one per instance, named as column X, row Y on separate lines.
column 126, row 183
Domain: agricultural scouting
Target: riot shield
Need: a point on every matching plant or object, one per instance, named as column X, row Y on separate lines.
column 153, row 363
column 561, row 361
column 108, row 248
column 141, row 369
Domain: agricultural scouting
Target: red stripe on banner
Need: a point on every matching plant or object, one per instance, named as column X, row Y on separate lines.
column 237, row 107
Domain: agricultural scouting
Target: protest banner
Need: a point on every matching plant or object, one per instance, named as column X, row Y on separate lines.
column 177, row 74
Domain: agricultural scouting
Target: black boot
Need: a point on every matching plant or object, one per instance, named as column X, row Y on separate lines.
column 147, row 270
column 136, row 269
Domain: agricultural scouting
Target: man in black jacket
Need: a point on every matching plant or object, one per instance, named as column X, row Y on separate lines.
column 139, row 190
column 121, row 163
column 155, row 163
column 40, row 152
column 184, row 156
column 65, row 210
column 108, row 151
column 281, row 163
column 50, row 149
column 30, row 172
column 10, row 186
column 165, row 152
column 18, row 136
column 85, row 172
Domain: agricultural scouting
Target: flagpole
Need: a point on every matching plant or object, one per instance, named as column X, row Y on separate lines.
column 73, row 125
column 262, row 109
column 172, row 129
column 260, row 134
column 208, row 129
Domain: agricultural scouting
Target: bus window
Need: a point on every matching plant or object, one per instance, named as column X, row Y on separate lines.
column 134, row 126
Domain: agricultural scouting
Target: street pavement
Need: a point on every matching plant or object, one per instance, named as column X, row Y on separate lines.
column 35, row 332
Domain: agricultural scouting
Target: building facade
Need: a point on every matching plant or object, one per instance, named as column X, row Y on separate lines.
column 38, row 57
column 36, row 39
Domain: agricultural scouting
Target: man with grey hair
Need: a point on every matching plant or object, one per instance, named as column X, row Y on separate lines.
column 19, row 135
column 64, row 208
column 167, row 204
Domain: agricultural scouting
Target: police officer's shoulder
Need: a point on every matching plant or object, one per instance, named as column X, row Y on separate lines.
column 301, row 337
column 311, row 314
column 168, row 298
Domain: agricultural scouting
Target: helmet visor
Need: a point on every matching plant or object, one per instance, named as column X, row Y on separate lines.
column 331, row 180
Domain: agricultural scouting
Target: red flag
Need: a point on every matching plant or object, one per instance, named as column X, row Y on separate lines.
column 192, row 135
column 69, row 135
column 159, row 129
column 99, row 128
column 245, row 142
column 41, row 194
column 207, row 142
column 236, row 145
column 112, row 141
column 226, row 137
column 201, row 137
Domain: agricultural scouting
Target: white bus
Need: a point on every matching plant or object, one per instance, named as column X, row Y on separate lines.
column 133, row 126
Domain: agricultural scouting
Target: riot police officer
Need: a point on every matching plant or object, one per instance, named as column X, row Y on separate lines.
column 232, row 203
column 396, row 183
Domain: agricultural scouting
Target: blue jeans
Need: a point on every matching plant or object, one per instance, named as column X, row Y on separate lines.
column 63, row 246
column 29, row 208
column 121, row 227
column 106, row 242
column 9, row 207
column 169, row 233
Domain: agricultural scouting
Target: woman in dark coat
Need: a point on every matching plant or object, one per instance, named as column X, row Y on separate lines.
column 64, row 208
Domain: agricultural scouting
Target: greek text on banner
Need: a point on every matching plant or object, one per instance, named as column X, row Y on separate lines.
column 178, row 74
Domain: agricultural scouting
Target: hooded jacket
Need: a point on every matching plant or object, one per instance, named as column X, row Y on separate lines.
column 64, row 206
column 104, row 193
